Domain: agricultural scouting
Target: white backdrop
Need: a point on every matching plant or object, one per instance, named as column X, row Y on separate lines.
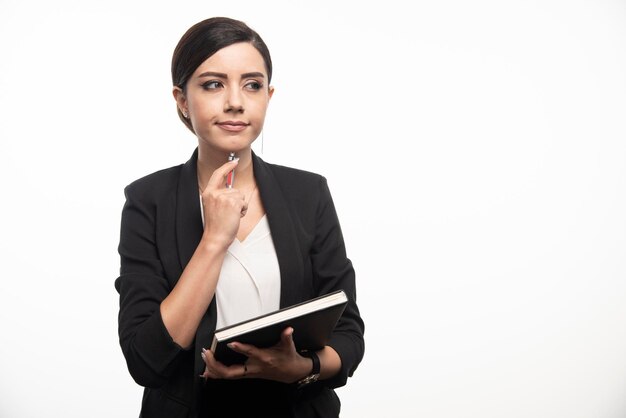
column 475, row 150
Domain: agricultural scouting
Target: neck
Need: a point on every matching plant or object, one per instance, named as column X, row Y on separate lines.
column 210, row 160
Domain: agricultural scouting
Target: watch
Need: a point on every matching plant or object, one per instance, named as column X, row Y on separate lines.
column 315, row 373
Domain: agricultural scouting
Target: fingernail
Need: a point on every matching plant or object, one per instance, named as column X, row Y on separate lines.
column 231, row 345
column 203, row 356
column 204, row 350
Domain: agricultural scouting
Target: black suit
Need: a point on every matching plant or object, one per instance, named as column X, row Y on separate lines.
column 161, row 228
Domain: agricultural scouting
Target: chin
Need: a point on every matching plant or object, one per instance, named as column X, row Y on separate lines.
column 237, row 148
column 237, row 145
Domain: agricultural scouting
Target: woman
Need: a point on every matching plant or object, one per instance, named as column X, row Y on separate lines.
column 197, row 255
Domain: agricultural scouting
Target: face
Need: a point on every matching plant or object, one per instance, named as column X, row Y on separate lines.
column 226, row 98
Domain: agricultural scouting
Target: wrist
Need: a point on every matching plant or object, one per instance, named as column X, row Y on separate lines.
column 212, row 244
column 313, row 369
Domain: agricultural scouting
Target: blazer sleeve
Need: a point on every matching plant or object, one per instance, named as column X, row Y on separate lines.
column 151, row 354
column 333, row 270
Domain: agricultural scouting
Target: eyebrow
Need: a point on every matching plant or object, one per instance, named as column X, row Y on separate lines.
column 254, row 74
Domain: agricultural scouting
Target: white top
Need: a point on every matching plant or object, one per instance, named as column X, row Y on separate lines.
column 249, row 282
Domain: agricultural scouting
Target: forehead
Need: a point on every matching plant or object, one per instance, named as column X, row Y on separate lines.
column 234, row 59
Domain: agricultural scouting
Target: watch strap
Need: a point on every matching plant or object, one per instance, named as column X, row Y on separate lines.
column 316, row 361
column 315, row 372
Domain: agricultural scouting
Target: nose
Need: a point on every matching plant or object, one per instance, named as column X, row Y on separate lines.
column 234, row 101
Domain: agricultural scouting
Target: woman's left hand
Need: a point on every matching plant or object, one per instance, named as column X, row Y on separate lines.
column 280, row 362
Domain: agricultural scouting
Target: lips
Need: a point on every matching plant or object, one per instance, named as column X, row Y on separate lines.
column 233, row 125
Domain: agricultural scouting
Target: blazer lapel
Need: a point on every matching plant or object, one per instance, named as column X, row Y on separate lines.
column 283, row 233
column 188, row 218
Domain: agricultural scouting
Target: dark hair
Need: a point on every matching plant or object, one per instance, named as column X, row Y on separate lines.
column 206, row 38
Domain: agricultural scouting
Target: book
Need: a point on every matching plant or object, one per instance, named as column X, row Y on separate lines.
column 312, row 321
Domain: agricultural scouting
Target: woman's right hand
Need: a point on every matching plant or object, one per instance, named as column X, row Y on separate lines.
column 223, row 208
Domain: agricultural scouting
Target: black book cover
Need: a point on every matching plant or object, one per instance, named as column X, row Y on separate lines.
column 311, row 331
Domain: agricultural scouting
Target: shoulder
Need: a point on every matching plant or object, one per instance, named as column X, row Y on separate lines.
column 305, row 192
column 154, row 185
column 294, row 179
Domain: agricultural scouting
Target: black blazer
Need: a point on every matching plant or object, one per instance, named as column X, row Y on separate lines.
column 161, row 228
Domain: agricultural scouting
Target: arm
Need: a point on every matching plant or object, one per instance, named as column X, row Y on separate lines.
column 184, row 307
column 332, row 271
column 150, row 352
column 155, row 321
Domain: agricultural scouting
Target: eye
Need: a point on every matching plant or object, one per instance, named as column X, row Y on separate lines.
column 254, row 85
column 211, row 85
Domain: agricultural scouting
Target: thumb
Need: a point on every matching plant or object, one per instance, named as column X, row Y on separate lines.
column 286, row 337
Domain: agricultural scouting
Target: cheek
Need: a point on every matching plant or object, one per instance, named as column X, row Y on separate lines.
column 259, row 110
column 204, row 108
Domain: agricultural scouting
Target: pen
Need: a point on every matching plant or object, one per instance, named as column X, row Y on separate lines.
column 230, row 179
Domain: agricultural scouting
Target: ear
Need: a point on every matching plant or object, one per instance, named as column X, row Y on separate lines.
column 270, row 92
column 181, row 100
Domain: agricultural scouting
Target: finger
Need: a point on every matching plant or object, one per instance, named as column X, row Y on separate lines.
column 218, row 178
column 234, row 194
column 209, row 359
column 223, row 198
column 245, row 349
column 217, row 370
column 235, row 371
column 206, row 357
column 286, row 339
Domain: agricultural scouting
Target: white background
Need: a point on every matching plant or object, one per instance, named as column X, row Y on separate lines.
column 475, row 151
